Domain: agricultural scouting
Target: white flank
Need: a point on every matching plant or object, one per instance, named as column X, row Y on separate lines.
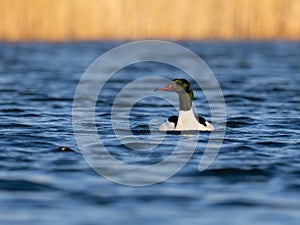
column 167, row 126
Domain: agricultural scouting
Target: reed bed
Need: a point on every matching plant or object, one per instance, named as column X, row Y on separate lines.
column 62, row 20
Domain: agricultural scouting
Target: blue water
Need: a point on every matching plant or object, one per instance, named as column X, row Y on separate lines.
column 255, row 178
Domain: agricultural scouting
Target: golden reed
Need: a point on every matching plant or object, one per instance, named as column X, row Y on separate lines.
column 62, row 20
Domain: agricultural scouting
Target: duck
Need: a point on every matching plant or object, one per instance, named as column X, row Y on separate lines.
column 186, row 119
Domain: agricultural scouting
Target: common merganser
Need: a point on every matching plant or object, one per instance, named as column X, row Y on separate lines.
column 186, row 120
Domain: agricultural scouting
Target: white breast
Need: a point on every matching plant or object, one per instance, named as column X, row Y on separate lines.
column 188, row 121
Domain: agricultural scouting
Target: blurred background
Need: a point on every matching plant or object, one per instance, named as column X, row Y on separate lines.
column 64, row 20
column 253, row 49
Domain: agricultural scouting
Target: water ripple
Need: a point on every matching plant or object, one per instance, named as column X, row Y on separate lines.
column 45, row 180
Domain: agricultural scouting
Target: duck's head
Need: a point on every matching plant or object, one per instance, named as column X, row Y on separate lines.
column 183, row 89
column 179, row 86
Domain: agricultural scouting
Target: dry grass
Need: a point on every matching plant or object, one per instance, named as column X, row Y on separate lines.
column 57, row 20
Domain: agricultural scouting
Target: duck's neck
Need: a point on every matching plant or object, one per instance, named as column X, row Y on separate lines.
column 185, row 101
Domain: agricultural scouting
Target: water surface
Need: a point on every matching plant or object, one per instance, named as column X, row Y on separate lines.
column 254, row 180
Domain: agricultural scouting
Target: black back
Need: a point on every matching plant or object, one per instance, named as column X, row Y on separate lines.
column 201, row 120
column 174, row 119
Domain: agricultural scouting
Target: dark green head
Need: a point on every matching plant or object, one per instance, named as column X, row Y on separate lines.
column 182, row 85
column 179, row 86
column 183, row 89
